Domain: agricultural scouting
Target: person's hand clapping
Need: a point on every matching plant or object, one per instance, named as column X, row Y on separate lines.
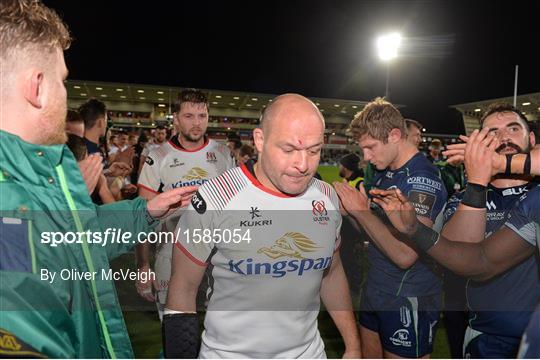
column 91, row 170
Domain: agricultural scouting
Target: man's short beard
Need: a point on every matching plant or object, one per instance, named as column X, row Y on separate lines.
column 52, row 132
column 190, row 138
column 55, row 139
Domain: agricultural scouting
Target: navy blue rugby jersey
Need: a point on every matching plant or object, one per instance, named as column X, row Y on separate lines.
column 420, row 181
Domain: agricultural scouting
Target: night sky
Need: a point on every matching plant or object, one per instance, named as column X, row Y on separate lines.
column 453, row 51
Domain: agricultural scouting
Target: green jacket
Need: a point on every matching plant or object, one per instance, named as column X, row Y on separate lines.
column 42, row 190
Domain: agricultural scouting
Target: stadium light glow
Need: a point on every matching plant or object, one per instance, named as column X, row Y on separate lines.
column 388, row 46
column 477, row 110
column 526, row 103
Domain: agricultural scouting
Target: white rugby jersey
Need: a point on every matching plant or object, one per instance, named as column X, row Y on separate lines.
column 265, row 297
column 170, row 166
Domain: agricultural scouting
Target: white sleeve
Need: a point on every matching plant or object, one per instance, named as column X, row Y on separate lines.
column 145, row 151
column 150, row 178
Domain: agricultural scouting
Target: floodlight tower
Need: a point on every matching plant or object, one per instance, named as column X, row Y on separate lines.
column 387, row 47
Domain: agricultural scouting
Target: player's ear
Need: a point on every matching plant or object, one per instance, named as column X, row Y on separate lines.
column 33, row 87
column 258, row 139
column 532, row 139
column 395, row 136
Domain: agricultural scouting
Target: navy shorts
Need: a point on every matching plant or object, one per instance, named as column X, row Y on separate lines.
column 406, row 325
column 488, row 346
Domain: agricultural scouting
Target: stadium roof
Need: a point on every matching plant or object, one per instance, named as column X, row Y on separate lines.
column 529, row 104
column 162, row 97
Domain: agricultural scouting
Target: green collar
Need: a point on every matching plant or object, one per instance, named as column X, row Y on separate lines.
column 19, row 157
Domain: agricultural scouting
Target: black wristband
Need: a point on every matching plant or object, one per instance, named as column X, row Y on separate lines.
column 181, row 336
column 424, row 236
column 475, row 196
column 508, row 170
column 527, row 165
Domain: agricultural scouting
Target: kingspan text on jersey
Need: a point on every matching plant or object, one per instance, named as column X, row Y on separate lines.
column 278, row 268
column 188, row 183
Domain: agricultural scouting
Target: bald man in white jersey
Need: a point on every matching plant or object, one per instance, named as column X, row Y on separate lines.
column 281, row 257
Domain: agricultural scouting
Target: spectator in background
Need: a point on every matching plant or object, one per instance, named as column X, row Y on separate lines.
column 349, row 170
column 111, row 142
column 122, row 152
column 435, row 151
column 138, row 149
column 450, row 175
column 132, row 139
column 160, row 138
column 245, row 155
column 414, row 131
column 94, row 115
column 234, row 144
column 74, row 123
column 121, row 143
